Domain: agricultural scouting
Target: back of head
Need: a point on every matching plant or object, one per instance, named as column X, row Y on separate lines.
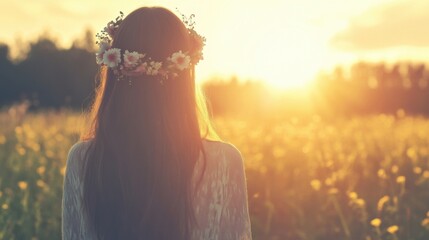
column 158, row 33
column 145, row 139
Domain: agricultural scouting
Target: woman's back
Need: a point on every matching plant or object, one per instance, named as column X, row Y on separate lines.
column 138, row 179
column 220, row 202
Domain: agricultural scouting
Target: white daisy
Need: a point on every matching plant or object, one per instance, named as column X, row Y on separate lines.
column 180, row 60
column 131, row 58
column 103, row 46
column 112, row 57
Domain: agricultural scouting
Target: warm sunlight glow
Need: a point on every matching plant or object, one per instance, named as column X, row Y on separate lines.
column 302, row 119
column 282, row 43
column 287, row 60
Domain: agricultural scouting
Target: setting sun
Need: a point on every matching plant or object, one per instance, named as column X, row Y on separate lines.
column 282, row 43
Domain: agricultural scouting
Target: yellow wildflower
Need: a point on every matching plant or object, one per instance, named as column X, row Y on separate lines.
column 376, row 222
column 315, row 184
column 353, row 195
column 22, row 185
column 41, row 170
column 400, row 179
column 412, row 153
column 417, row 170
column 360, row 202
column 393, row 229
column 329, row 181
column 382, row 202
column 381, row 173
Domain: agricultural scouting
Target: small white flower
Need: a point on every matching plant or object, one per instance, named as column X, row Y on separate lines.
column 153, row 68
column 180, row 60
column 110, row 29
column 131, row 58
column 99, row 58
column 103, row 46
column 112, row 57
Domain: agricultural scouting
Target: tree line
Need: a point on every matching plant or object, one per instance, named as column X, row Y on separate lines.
column 375, row 88
column 54, row 77
column 49, row 76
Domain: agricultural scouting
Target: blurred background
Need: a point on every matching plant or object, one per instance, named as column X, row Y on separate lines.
column 326, row 100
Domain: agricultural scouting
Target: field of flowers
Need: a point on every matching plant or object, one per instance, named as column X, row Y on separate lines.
column 358, row 178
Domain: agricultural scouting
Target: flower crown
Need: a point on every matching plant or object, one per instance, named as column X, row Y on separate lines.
column 130, row 63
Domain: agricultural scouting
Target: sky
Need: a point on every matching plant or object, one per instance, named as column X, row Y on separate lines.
column 283, row 42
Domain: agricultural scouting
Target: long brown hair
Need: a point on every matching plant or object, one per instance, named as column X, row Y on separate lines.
column 145, row 139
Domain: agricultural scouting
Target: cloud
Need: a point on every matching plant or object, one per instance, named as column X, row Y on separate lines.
column 402, row 23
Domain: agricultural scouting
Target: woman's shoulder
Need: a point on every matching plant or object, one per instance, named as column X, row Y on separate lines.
column 78, row 148
column 76, row 153
column 212, row 148
column 226, row 149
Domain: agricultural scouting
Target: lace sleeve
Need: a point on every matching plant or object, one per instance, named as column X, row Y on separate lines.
column 235, row 222
column 71, row 216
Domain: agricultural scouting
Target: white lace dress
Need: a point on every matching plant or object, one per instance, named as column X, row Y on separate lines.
column 221, row 205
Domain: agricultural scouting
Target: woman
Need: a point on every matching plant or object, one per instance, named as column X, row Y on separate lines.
column 146, row 168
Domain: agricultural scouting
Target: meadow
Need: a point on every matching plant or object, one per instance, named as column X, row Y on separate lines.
column 308, row 178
